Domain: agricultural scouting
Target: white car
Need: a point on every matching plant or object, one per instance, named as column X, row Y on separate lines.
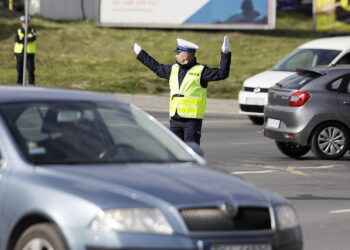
column 325, row 51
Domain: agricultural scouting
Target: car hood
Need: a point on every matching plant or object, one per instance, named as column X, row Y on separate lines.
column 266, row 79
column 175, row 184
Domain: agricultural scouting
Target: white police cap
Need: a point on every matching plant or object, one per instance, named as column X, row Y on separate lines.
column 23, row 19
column 186, row 46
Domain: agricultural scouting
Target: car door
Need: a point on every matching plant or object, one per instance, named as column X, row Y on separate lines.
column 4, row 170
column 344, row 99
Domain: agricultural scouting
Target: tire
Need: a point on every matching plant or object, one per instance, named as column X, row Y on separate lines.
column 43, row 236
column 292, row 150
column 256, row 120
column 330, row 141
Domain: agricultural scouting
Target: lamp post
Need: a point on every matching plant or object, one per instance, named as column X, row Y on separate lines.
column 26, row 7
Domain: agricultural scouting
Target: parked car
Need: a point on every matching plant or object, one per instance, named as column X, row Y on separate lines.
column 325, row 51
column 82, row 170
column 311, row 109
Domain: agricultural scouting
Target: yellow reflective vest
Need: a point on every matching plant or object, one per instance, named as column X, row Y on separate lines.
column 31, row 46
column 189, row 100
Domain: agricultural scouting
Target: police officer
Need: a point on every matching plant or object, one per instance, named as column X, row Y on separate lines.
column 19, row 51
column 188, row 82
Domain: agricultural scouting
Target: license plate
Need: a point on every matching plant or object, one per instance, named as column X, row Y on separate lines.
column 241, row 247
column 254, row 101
column 272, row 123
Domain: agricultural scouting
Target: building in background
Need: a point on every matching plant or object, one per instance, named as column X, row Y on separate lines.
column 62, row 9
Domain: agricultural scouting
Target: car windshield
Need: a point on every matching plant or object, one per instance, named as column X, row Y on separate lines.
column 303, row 58
column 73, row 132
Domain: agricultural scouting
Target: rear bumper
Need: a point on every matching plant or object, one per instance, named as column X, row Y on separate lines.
column 295, row 124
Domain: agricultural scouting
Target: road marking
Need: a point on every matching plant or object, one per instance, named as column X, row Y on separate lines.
column 253, row 172
column 246, row 143
column 340, row 211
column 290, row 169
column 321, row 167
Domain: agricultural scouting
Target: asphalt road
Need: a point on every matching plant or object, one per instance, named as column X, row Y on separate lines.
column 316, row 188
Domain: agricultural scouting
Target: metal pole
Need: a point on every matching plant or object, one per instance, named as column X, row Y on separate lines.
column 26, row 7
column 11, row 5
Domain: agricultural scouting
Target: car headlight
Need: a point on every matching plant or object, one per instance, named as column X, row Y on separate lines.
column 144, row 220
column 286, row 217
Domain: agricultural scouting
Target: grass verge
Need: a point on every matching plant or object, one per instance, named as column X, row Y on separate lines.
column 82, row 55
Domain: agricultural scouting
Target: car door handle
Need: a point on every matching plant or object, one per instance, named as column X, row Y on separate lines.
column 346, row 102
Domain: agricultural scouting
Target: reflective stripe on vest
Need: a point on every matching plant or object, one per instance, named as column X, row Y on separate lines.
column 31, row 46
column 190, row 100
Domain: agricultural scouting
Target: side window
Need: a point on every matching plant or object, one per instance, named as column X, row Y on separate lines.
column 344, row 60
column 347, row 87
column 341, row 84
column 335, row 85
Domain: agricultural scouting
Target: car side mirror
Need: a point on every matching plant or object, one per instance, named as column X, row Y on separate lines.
column 195, row 147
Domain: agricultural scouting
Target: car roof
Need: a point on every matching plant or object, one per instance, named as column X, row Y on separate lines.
column 18, row 93
column 335, row 43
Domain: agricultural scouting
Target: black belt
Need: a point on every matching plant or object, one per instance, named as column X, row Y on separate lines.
column 177, row 95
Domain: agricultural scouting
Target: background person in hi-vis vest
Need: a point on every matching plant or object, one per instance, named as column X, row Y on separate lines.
column 19, row 51
column 188, row 82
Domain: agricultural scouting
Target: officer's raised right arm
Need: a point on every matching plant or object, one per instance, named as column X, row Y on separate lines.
column 137, row 48
column 160, row 70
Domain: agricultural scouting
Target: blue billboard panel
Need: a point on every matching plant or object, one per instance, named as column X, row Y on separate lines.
column 207, row 14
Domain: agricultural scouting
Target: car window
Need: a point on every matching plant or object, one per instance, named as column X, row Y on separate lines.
column 335, row 85
column 295, row 81
column 344, row 60
column 347, row 85
column 88, row 132
column 29, row 124
column 303, row 58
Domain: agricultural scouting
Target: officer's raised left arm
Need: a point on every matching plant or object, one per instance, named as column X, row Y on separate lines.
column 226, row 45
column 215, row 74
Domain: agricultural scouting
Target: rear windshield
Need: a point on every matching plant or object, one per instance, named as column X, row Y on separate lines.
column 295, row 81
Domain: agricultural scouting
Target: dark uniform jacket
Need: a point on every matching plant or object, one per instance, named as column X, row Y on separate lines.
column 208, row 74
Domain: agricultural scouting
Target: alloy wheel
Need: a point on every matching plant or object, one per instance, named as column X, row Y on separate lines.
column 38, row 244
column 331, row 140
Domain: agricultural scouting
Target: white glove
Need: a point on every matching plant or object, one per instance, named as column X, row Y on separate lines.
column 226, row 45
column 137, row 48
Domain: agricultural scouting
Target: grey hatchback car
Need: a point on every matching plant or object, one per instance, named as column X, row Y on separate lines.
column 84, row 171
column 311, row 109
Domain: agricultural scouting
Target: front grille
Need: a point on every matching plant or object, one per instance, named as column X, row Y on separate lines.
column 213, row 219
column 252, row 108
column 256, row 90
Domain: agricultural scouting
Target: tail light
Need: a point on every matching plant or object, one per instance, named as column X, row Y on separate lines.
column 298, row 99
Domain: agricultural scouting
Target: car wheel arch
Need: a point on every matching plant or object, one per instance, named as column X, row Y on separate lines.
column 26, row 222
column 323, row 123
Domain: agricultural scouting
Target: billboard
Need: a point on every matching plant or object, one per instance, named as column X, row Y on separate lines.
column 332, row 14
column 190, row 14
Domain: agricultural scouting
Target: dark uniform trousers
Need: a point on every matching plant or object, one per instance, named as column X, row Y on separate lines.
column 30, row 67
column 187, row 129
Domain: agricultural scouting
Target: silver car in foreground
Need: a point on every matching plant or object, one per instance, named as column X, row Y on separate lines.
column 84, row 171
column 311, row 109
